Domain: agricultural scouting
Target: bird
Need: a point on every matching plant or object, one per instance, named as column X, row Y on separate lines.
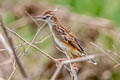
column 64, row 38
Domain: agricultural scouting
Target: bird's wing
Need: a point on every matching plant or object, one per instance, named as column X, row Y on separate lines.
column 68, row 38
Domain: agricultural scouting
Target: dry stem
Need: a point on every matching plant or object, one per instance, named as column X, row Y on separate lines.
column 12, row 51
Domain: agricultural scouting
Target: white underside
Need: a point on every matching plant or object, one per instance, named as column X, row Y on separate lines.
column 56, row 39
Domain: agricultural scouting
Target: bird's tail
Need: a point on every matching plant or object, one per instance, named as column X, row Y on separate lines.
column 90, row 60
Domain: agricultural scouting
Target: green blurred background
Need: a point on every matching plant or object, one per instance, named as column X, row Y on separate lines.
column 101, row 8
column 91, row 20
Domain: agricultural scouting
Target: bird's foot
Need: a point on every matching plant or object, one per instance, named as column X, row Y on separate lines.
column 74, row 67
column 58, row 61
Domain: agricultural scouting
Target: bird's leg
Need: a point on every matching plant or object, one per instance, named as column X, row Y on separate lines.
column 74, row 67
column 78, row 56
column 58, row 61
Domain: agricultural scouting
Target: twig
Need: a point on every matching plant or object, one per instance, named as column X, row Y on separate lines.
column 105, row 53
column 34, row 42
column 57, row 72
column 116, row 65
column 34, row 38
column 3, row 50
column 115, row 52
column 44, row 39
column 35, row 34
column 73, row 72
column 32, row 18
column 13, row 51
column 60, row 50
column 27, row 44
column 13, row 32
column 14, row 70
column 6, row 45
column 11, row 60
column 72, row 61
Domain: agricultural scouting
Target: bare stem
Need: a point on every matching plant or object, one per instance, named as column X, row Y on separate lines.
column 13, row 32
column 14, row 70
column 35, row 34
column 105, row 53
column 44, row 39
column 13, row 51
column 34, row 38
column 72, row 61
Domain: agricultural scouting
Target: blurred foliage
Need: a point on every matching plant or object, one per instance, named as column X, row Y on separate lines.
column 8, row 18
column 26, row 31
column 102, row 8
column 115, row 76
column 106, row 41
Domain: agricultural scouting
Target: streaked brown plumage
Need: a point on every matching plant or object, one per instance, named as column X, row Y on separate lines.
column 64, row 38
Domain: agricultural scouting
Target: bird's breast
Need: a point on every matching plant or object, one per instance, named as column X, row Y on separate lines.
column 59, row 43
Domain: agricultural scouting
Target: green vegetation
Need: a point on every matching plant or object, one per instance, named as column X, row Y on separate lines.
column 115, row 76
column 8, row 18
column 101, row 8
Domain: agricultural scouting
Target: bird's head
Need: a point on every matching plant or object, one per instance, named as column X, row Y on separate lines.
column 48, row 16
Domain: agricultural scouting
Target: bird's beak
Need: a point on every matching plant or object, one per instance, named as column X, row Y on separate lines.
column 38, row 17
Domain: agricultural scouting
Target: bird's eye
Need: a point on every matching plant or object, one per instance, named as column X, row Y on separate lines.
column 47, row 16
column 44, row 18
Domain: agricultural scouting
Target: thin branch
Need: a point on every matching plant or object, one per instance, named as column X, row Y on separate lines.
column 3, row 50
column 13, row 51
column 57, row 72
column 59, row 49
column 116, row 65
column 32, row 18
column 6, row 45
column 67, row 68
column 35, row 34
column 14, row 70
column 11, row 60
column 34, row 42
column 115, row 52
column 44, row 39
column 34, row 38
column 41, row 41
column 105, row 53
column 13, row 32
column 73, row 72
column 72, row 61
